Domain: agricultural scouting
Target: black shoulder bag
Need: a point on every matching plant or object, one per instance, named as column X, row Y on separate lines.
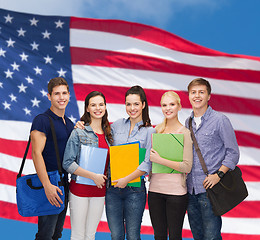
column 229, row 191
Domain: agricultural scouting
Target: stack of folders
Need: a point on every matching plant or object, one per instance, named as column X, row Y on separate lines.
column 169, row 146
column 124, row 159
column 92, row 159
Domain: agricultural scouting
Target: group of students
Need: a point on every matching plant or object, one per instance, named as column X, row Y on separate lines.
column 169, row 195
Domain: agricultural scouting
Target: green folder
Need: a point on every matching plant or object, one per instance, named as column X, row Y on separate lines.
column 142, row 152
column 169, row 146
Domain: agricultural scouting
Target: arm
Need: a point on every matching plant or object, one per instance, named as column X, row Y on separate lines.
column 38, row 140
column 213, row 179
column 70, row 163
column 184, row 166
column 231, row 158
column 99, row 179
column 122, row 182
column 143, row 168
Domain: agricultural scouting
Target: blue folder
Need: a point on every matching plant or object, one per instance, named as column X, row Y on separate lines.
column 92, row 159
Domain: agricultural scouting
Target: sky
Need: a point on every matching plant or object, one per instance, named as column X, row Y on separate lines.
column 230, row 26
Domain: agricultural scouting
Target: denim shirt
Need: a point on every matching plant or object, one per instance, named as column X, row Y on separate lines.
column 77, row 138
column 120, row 131
column 217, row 142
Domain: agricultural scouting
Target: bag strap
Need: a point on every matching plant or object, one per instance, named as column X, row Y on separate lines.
column 196, row 146
column 24, row 158
column 55, row 146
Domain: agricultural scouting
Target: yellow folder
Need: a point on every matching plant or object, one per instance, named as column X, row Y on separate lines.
column 124, row 159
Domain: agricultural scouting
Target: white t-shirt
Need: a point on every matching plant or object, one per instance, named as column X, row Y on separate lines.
column 197, row 120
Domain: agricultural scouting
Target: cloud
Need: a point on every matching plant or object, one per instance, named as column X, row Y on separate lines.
column 153, row 12
column 45, row 7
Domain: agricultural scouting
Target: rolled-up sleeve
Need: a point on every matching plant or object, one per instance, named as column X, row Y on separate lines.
column 71, row 151
column 146, row 165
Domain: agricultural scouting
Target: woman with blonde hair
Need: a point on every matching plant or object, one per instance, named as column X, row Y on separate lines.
column 167, row 196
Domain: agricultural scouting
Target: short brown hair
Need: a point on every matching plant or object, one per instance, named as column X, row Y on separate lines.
column 54, row 82
column 200, row 81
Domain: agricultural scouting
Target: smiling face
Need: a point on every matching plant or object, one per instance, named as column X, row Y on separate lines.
column 134, row 107
column 59, row 99
column 96, row 107
column 170, row 107
column 199, row 97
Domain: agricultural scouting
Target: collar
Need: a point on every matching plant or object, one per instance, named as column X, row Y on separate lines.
column 205, row 115
column 88, row 128
column 126, row 120
column 52, row 114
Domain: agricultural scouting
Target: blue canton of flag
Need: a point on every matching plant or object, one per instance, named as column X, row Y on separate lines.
column 33, row 49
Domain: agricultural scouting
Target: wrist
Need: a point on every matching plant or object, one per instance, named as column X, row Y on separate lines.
column 220, row 174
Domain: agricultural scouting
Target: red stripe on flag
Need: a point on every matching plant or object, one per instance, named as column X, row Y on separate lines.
column 149, row 34
column 246, row 209
column 116, row 95
column 8, row 177
column 232, row 236
column 14, row 148
column 248, row 139
column 10, row 211
column 104, row 58
column 250, row 173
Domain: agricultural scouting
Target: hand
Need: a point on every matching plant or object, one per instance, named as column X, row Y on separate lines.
column 79, row 124
column 100, row 180
column 210, row 181
column 120, row 183
column 52, row 195
column 154, row 156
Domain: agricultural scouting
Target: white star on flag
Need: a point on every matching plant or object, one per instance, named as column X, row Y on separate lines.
column 59, row 48
column 13, row 98
column 34, row 22
column 24, row 57
column 61, row 73
column 9, row 74
column 22, row 88
column 46, row 34
column 8, row 18
column 6, row 105
column 48, row 59
column 27, row 111
column 2, row 52
column 37, row 70
column 59, row 24
column 10, row 43
column 34, row 46
column 35, row 102
column 29, row 80
column 15, row 66
column 21, row 32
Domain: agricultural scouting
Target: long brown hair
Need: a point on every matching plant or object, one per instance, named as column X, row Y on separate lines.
column 105, row 123
column 145, row 112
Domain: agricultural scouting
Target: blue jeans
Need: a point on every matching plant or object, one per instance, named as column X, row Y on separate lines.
column 50, row 226
column 204, row 224
column 124, row 210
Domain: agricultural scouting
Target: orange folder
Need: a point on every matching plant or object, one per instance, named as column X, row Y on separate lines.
column 124, row 159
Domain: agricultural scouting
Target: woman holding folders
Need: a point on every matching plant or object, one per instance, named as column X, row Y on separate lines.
column 86, row 202
column 167, row 196
column 124, row 204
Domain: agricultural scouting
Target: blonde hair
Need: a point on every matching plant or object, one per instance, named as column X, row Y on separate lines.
column 161, row 127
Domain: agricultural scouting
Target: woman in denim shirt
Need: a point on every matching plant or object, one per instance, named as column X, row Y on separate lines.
column 125, row 205
column 87, row 201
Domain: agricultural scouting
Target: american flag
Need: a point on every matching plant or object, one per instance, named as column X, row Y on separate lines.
column 111, row 56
